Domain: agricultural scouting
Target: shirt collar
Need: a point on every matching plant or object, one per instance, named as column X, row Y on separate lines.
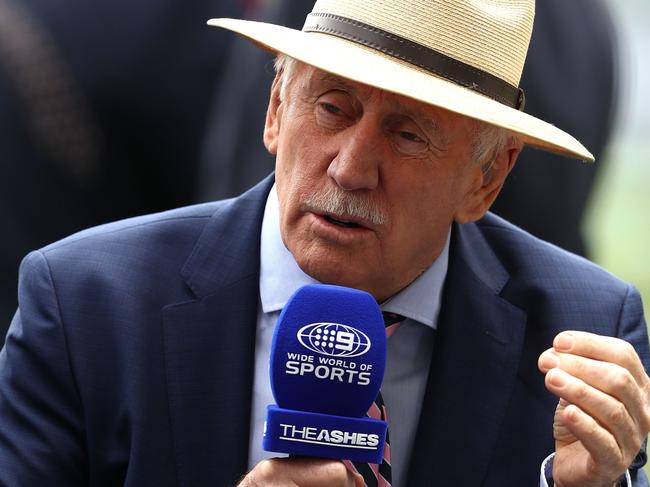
column 280, row 275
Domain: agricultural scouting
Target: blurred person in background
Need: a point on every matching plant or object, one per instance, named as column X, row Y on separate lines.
column 569, row 79
column 102, row 110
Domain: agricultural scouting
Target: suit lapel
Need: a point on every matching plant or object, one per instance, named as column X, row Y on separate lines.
column 210, row 346
column 473, row 369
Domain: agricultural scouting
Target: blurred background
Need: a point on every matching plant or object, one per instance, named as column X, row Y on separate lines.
column 618, row 217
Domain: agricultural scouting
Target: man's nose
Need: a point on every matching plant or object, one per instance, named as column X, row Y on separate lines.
column 357, row 163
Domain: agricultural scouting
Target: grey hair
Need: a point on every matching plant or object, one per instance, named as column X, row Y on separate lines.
column 487, row 143
column 285, row 66
column 487, row 140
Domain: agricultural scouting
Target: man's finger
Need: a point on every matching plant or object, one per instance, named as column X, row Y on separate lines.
column 610, row 378
column 607, row 459
column 610, row 414
column 603, row 348
column 301, row 472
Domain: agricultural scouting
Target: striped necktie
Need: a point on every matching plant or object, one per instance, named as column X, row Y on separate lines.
column 379, row 475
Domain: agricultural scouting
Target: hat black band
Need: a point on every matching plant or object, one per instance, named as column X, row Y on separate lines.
column 418, row 55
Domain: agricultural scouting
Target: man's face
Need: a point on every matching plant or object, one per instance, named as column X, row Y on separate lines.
column 368, row 182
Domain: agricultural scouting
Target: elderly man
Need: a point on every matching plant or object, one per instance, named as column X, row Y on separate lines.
column 139, row 352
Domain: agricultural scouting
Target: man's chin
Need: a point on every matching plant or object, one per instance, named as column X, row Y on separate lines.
column 340, row 272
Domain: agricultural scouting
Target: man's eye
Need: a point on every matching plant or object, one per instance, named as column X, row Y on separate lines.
column 328, row 107
column 411, row 137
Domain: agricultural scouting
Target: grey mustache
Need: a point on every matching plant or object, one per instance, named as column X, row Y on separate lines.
column 341, row 203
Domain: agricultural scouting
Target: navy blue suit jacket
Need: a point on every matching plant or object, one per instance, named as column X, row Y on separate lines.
column 130, row 360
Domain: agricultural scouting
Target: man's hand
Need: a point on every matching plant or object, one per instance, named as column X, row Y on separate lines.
column 604, row 409
column 301, row 472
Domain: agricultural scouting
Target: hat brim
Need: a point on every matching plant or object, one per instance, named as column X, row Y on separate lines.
column 353, row 61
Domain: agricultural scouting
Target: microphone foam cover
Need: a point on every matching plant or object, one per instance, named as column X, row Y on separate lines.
column 329, row 351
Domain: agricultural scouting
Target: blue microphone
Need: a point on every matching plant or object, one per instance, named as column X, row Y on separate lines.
column 327, row 364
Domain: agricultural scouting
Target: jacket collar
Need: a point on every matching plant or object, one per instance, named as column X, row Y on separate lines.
column 209, row 345
column 228, row 249
column 473, row 368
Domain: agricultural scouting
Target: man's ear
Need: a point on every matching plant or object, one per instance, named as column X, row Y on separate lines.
column 489, row 183
column 273, row 116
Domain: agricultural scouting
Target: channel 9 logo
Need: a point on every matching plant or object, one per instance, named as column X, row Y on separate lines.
column 334, row 340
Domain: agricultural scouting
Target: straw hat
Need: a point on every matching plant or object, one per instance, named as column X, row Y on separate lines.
column 462, row 55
